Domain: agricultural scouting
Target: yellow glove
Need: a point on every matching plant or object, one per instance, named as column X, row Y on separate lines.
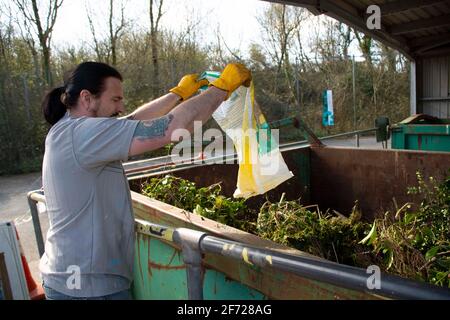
column 188, row 85
column 232, row 77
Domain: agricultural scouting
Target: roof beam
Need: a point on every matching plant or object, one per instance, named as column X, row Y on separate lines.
column 418, row 25
column 403, row 5
column 428, row 40
column 302, row 3
column 311, row 5
column 433, row 45
column 435, row 52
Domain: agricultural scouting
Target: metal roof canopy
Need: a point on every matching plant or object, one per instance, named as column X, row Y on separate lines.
column 416, row 28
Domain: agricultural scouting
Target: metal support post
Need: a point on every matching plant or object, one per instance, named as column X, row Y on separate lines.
column 36, row 222
column 190, row 244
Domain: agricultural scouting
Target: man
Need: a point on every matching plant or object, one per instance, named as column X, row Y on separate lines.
column 89, row 249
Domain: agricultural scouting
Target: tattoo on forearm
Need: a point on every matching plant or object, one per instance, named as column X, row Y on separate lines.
column 150, row 129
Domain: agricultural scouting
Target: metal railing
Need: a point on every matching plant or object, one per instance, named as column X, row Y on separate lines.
column 33, row 198
column 194, row 243
column 163, row 165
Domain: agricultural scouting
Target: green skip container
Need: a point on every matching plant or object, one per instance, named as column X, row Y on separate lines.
column 421, row 132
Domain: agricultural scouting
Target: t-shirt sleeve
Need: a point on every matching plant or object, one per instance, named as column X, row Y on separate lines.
column 98, row 141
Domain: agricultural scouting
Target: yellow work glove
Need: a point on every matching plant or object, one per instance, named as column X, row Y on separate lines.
column 188, row 85
column 232, row 77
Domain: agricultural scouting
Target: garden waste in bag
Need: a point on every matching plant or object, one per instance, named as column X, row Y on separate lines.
column 261, row 165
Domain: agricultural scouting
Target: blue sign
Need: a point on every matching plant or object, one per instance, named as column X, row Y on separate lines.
column 328, row 112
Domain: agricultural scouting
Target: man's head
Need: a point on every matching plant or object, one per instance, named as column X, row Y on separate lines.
column 107, row 103
column 92, row 89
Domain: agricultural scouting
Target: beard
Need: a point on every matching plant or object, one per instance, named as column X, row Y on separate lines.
column 94, row 109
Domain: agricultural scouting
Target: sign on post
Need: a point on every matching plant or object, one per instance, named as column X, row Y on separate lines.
column 328, row 112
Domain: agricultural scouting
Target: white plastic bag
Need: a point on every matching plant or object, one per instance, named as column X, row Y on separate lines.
column 261, row 165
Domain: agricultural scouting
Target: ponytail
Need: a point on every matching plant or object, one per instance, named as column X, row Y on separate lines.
column 52, row 106
column 86, row 76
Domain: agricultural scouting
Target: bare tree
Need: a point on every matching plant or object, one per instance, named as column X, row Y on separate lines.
column 33, row 49
column 280, row 24
column 26, row 34
column 389, row 57
column 365, row 45
column 43, row 28
column 107, row 51
column 332, row 41
column 234, row 53
column 98, row 46
column 155, row 14
column 6, row 40
column 346, row 38
column 115, row 30
column 217, row 55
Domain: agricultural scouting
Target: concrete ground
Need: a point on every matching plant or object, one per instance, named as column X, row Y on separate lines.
column 14, row 205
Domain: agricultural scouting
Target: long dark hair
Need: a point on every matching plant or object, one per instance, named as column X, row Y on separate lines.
column 86, row 76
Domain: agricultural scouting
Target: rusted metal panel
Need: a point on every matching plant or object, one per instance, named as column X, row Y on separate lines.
column 160, row 273
column 339, row 176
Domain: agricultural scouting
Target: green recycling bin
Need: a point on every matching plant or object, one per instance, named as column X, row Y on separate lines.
column 421, row 132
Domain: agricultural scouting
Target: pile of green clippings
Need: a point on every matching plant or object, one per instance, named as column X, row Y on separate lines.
column 413, row 243
column 330, row 236
column 206, row 201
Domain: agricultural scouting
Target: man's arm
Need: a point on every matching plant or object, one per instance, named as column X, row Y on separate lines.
column 187, row 87
column 155, row 108
column 156, row 133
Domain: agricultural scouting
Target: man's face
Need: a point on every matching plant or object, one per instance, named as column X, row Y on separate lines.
column 110, row 102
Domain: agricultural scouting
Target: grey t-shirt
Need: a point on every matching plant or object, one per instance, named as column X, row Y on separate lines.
column 88, row 200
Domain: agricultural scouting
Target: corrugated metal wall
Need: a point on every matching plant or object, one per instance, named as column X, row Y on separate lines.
column 434, row 94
